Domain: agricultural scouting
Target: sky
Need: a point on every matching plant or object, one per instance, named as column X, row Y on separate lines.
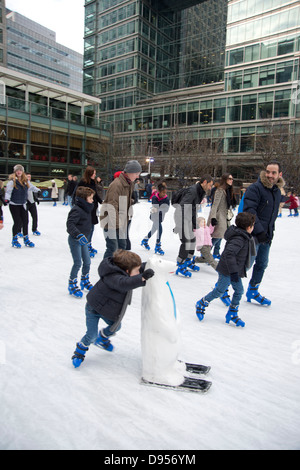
column 65, row 17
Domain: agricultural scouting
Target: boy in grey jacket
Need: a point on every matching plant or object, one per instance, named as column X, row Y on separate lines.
column 232, row 267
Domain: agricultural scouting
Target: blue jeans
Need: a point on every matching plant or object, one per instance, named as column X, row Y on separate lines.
column 113, row 242
column 221, row 287
column 261, row 262
column 92, row 320
column 81, row 255
column 217, row 246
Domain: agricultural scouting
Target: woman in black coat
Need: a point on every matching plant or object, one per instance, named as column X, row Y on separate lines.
column 89, row 181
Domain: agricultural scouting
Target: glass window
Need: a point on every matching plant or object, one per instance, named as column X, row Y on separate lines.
column 250, row 78
column 285, row 47
column 267, row 75
column 268, row 50
column 284, row 72
column 234, row 109
column 235, row 80
column 236, row 56
column 249, row 108
column 252, row 53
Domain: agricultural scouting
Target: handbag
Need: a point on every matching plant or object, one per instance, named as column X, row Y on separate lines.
column 230, row 214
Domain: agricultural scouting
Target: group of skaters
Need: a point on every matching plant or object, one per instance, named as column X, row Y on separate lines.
column 248, row 240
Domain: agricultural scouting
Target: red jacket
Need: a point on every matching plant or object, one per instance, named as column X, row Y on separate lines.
column 293, row 202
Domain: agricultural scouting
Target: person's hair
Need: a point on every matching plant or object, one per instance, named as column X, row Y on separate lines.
column 22, row 179
column 126, row 260
column 244, row 220
column 162, row 187
column 275, row 162
column 84, row 192
column 88, row 172
column 206, row 178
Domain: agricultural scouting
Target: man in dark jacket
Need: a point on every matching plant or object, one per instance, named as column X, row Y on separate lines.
column 185, row 217
column 262, row 199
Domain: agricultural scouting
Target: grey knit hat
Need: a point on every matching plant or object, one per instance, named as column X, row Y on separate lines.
column 132, row 166
column 18, row 167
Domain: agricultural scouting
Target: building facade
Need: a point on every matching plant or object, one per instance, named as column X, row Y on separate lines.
column 32, row 49
column 51, row 130
column 221, row 71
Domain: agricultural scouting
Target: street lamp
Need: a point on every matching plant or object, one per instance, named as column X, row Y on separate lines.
column 149, row 160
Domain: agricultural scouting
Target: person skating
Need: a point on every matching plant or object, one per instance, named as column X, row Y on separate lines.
column 232, row 267
column 263, row 198
column 79, row 225
column 109, row 299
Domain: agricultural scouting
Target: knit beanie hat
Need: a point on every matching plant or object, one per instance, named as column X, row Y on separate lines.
column 18, row 168
column 132, row 166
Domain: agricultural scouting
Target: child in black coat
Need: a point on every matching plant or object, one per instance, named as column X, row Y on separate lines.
column 109, row 299
column 232, row 267
column 79, row 226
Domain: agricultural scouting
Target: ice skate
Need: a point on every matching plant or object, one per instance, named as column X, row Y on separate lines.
column 252, row 293
column 79, row 354
column 200, row 308
column 85, row 283
column 232, row 315
column 145, row 243
column 74, row 289
column 103, row 342
column 158, row 250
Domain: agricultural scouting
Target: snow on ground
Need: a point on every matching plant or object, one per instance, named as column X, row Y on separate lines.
column 46, row 404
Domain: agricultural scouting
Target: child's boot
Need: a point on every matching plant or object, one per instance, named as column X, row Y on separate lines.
column 103, row 342
column 85, row 283
column 226, row 298
column 158, row 249
column 190, row 264
column 15, row 243
column 73, row 289
column 27, row 242
column 145, row 243
column 232, row 315
column 182, row 269
column 79, row 354
column 252, row 293
column 92, row 251
column 200, row 308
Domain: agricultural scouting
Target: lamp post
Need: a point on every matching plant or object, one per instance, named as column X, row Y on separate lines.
column 149, row 160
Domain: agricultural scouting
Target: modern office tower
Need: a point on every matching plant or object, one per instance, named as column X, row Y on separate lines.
column 2, row 33
column 32, row 49
column 207, row 72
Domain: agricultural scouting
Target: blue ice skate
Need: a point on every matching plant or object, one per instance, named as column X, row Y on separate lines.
column 145, row 244
column 73, row 289
column 85, row 283
column 252, row 293
column 232, row 315
column 27, row 242
column 190, row 264
column 15, row 243
column 182, row 269
column 200, row 308
column 79, row 354
column 158, row 250
column 103, row 342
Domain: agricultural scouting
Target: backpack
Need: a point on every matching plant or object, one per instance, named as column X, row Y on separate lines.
column 177, row 196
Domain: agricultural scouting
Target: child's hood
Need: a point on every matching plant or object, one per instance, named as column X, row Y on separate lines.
column 108, row 267
column 86, row 206
column 234, row 231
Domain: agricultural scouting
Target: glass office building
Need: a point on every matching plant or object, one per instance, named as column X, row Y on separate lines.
column 214, row 70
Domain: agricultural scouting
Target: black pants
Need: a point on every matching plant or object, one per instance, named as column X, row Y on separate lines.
column 31, row 206
column 20, row 218
column 188, row 244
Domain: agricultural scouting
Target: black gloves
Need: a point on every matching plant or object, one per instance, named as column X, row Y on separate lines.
column 214, row 222
column 147, row 274
column 234, row 277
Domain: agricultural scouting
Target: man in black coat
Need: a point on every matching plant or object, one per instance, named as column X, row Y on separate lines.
column 262, row 198
column 186, row 222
